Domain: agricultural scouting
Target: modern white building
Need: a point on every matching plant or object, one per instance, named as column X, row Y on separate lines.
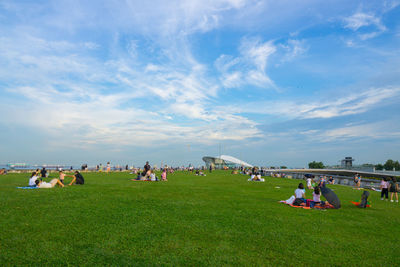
column 225, row 161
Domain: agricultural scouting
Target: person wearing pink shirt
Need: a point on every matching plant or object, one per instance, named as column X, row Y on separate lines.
column 384, row 188
column 164, row 175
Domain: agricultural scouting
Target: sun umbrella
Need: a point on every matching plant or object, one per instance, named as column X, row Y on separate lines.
column 331, row 197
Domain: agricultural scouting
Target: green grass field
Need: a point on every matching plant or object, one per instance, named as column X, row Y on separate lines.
column 220, row 219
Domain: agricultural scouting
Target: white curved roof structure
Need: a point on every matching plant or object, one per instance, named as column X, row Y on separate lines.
column 235, row 160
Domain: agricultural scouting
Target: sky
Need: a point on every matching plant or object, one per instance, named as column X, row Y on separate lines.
column 270, row 82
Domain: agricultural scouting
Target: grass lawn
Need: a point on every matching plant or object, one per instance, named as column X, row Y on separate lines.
column 220, row 219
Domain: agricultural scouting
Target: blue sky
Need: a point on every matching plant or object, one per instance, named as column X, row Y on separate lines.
column 269, row 82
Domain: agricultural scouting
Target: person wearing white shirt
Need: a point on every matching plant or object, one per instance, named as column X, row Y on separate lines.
column 300, row 192
column 309, row 185
column 33, row 179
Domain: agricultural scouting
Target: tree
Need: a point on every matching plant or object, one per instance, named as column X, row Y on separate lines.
column 283, row 167
column 316, row 165
column 379, row 167
column 389, row 165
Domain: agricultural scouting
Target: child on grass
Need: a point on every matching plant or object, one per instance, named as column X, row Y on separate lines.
column 164, row 175
column 316, row 197
column 61, row 176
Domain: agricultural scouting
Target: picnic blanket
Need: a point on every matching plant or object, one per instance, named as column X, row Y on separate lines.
column 302, row 207
column 317, row 206
column 358, row 204
column 27, row 187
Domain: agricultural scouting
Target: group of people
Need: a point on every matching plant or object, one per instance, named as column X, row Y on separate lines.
column 255, row 175
column 36, row 179
column 149, row 175
column 300, row 196
column 389, row 184
column 323, row 180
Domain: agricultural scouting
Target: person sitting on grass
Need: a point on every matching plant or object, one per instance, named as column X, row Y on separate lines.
column 300, row 194
column 61, row 177
column 77, row 178
column 153, row 177
column 33, row 179
column 322, row 181
column 316, row 197
column 53, row 182
column 331, row 180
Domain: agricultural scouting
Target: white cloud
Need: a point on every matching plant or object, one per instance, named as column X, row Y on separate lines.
column 293, row 49
column 360, row 20
column 82, row 100
column 249, row 67
column 354, row 103
column 380, row 130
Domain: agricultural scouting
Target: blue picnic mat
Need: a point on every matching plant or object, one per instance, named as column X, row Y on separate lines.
column 27, row 187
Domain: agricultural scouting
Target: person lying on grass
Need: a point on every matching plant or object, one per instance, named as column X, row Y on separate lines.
column 53, row 182
column 77, row 178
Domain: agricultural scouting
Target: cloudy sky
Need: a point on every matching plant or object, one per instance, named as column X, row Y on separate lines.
column 269, row 82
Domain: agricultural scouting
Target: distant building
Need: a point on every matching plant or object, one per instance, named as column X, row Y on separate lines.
column 347, row 162
column 224, row 161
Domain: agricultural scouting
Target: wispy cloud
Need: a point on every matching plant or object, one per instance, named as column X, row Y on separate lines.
column 353, row 103
column 361, row 20
column 293, row 49
column 119, row 101
column 250, row 67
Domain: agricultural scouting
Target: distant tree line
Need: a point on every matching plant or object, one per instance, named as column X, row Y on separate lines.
column 389, row 165
column 316, row 165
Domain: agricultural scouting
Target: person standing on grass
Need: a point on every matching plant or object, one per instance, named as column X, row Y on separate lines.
column 43, row 173
column 108, row 167
column 146, row 169
column 309, row 185
column 357, row 181
column 77, row 178
column 164, row 175
column 384, row 188
column 393, row 189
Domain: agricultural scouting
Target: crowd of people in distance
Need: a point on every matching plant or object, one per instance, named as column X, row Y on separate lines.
column 389, row 185
column 37, row 179
column 149, row 175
